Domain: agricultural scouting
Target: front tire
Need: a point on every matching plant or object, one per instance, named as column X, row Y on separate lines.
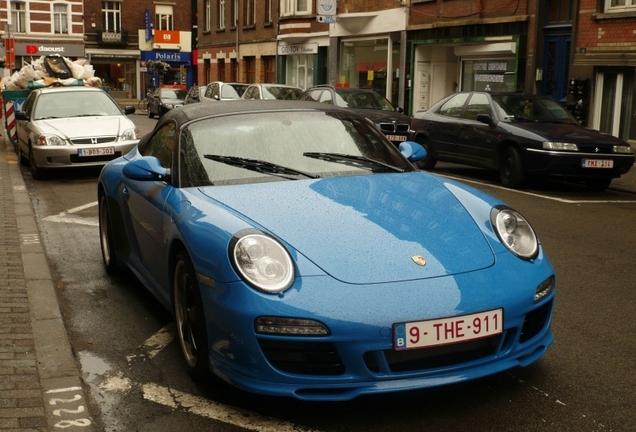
column 36, row 172
column 150, row 114
column 511, row 170
column 190, row 317
column 106, row 237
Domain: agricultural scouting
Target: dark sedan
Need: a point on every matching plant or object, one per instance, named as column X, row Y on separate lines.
column 389, row 119
column 162, row 100
column 520, row 136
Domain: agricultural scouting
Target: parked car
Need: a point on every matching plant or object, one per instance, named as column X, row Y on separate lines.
column 195, row 94
column 520, row 136
column 389, row 119
column 75, row 126
column 304, row 255
column 223, row 91
column 272, row 91
column 163, row 99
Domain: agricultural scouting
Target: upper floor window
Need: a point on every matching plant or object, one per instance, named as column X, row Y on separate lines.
column 111, row 17
column 220, row 21
column 250, row 11
column 295, row 7
column 268, row 11
column 18, row 17
column 207, row 24
column 619, row 5
column 234, row 13
column 164, row 17
column 559, row 11
column 60, row 18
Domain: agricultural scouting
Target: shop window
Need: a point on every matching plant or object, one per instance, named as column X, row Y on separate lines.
column 488, row 75
column 220, row 17
column 164, row 17
column 60, row 18
column 18, row 17
column 111, row 17
column 300, row 70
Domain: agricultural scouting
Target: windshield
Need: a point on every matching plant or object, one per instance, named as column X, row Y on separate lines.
column 354, row 98
column 173, row 94
column 286, row 93
column 233, row 142
column 233, row 91
column 543, row 110
column 74, row 104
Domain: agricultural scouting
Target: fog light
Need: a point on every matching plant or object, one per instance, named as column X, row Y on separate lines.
column 290, row 326
column 544, row 289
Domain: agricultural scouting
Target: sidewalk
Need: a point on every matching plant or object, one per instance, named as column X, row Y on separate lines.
column 40, row 384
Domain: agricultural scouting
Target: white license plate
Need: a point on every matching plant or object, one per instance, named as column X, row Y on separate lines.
column 101, row 151
column 399, row 138
column 597, row 163
column 443, row 331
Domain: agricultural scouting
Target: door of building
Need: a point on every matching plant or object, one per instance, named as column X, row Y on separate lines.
column 556, row 60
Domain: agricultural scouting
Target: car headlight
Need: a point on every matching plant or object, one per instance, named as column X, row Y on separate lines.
column 167, row 105
column 549, row 145
column 262, row 261
column 623, row 149
column 130, row 134
column 515, row 232
column 50, row 140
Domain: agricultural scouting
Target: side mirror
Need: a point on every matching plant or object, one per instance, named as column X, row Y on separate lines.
column 21, row 115
column 147, row 168
column 400, row 110
column 129, row 110
column 485, row 118
column 412, row 151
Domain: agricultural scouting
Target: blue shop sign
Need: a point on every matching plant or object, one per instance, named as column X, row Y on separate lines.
column 167, row 56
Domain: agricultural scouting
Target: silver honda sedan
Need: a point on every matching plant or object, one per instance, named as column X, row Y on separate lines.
column 76, row 126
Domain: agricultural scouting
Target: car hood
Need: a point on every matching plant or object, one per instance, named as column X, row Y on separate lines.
column 377, row 116
column 569, row 133
column 367, row 229
column 85, row 126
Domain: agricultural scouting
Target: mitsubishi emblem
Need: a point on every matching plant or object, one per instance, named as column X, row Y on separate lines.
column 94, row 141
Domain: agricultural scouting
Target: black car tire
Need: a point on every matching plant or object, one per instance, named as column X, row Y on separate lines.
column 511, row 170
column 429, row 162
column 24, row 159
column 106, row 237
column 189, row 316
column 150, row 114
column 36, row 172
column 598, row 184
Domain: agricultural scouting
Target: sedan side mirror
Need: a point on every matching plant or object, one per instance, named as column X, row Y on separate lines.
column 400, row 110
column 485, row 118
column 21, row 115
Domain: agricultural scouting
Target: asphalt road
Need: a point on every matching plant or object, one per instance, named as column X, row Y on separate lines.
column 586, row 382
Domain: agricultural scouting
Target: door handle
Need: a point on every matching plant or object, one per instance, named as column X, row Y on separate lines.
column 125, row 192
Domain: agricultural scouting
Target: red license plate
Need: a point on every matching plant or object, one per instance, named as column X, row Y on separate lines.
column 443, row 331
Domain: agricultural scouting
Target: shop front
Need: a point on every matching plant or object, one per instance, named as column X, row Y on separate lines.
column 303, row 64
column 442, row 67
column 178, row 72
column 27, row 52
column 117, row 69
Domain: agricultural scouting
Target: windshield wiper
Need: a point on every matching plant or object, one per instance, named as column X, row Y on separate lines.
column 353, row 160
column 258, row 165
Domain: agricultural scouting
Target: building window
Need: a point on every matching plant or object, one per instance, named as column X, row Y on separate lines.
column 250, row 66
column 164, row 17
column 268, row 11
column 220, row 21
column 295, row 7
column 250, row 11
column 300, row 71
column 18, row 17
column 614, row 102
column 269, row 64
column 111, row 17
column 60, row 18
column 207, row 19
column 559, row 11
column 619, row 5
column 234, row 13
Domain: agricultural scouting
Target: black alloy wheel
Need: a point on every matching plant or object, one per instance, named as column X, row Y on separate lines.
column 511, row 170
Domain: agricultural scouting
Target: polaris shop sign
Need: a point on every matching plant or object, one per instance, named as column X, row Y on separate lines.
column 311, row 48
column 40, row 49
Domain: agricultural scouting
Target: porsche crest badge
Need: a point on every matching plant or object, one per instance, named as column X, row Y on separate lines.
column 419, row 260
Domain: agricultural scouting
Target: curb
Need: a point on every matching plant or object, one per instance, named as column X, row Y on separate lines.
column 64, row 399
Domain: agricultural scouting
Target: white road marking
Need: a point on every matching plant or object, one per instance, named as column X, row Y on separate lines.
column 155, row 343
column 563, row 200
column 65, row 218
column 217, row 411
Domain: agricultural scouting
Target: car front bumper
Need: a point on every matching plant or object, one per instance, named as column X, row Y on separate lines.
column 570, row 164
column 50, row 157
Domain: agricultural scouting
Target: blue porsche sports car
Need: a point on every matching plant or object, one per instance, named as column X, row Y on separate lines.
column 303, row 255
